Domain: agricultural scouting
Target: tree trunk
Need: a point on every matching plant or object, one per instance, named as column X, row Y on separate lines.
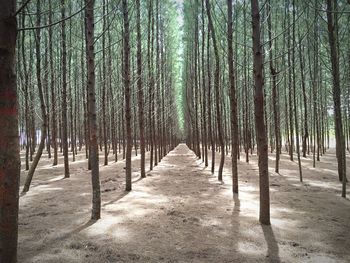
column 233, row 100
column 264, row 216
column 204, row 116
column 42, row 106
column 104, row 86
column 217, row 91
column 64, row 138
column 339, row 137
column 53, row 93
column 273, row 74
column 140, row 90
column 126, row 75
column 94, row 159
column 9, row 146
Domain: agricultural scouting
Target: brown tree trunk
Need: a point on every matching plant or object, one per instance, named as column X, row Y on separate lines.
column 126, row 75
column 204, row 116
column 339, row 136
column 64, row 92
column 210, row 129
column 150, row 77
column 196, row 91
column 53, row 93
column 9, row 147
column 140, row 90
column 42, row 106
column 217, row 91
column 303, row 85
column 104, row 86
column 274, row 90
column 294, row 98
column 264, row 216
column 94, row 159
column 233, row 100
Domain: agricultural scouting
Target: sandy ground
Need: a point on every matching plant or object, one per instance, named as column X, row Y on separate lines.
column 181, row 213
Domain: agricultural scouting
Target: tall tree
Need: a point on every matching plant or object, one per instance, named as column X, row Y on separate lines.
column 140, row 90
column 9, row 146
column 233, row 100
column 127, row 93
column 53, row 93
column 339, row 136
column 42, row 102
column 217, row 90
column 64, row 137
column 94, row 158
column 273, row 73
column 261, row 137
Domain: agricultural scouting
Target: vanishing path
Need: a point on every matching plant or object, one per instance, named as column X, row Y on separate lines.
column 181, row 213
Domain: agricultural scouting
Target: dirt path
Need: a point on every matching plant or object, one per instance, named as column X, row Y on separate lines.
column 181, row 213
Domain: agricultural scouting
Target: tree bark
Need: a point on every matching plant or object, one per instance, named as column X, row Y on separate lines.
column 42, row 106
column 339, row 136
column 9, row 146
column 233, row 99
column 64, row 92
column 126, row 75
column 53, row 93
column 217, row 91
column 93, row 157
column 261, row 138
column 140, row 90
column 275, row 105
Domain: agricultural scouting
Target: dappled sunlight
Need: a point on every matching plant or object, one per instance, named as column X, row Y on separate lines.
column 180, row 207
column 103, row 226
column 249, row 249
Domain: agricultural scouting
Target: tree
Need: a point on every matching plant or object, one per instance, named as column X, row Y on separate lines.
column 339, row 136
column 140, row 90
column 273, row 73
column 42, row 105
column 64, row 91
column 261, row 138
column 53, row 93
column 233, row 101
column 9, row 145
column 217, row 90
column 94, row 159
column 127, row 92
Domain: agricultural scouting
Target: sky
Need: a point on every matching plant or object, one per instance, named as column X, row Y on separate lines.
column 179, row 4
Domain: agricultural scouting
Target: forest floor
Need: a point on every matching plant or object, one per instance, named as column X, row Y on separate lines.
column 181, row 213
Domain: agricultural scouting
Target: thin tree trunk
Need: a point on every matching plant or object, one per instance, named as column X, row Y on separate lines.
column 205, row 135
column 126, row 75
column 53, row 93
column 150, row 77
column 64, row 137
column 104, row 86
column 42, row 106
column 274, row 89
column 340, row 143
column 296, row 123
column 140, row 90
column 233, row 99
column 210, row 129
column 93, row 157
column 264, row 216
column 217, row 91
